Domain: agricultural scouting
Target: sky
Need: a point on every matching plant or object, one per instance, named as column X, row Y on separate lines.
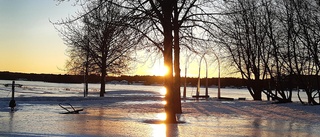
column 29, row 43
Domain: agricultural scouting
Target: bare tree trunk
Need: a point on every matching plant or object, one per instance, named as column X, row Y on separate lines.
column 168, row 80
column 86, row 76
column 177, row 94
column 103, row 82
column 103, row 75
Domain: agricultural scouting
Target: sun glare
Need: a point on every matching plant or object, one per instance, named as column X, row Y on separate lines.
column 162, row 116
column 163, row 91
column 160, row 71
column 159, row 130
column 164, row 102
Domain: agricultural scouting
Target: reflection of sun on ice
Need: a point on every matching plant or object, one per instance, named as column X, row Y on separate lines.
column 162, row 116
column 163, row 91
column 164, row 102
column 159, row 130
column 160, row 71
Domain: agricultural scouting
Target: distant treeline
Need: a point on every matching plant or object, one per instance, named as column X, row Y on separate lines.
column 146, row 80
column 313, row 81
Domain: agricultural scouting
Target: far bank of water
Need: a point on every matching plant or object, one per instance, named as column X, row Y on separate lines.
column 47, row 89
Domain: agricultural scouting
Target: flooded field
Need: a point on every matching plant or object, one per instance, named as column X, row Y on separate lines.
column 126, row 108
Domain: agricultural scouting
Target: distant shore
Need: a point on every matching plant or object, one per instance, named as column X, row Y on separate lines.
column 137, row 79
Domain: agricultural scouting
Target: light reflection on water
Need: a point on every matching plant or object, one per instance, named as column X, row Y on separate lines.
column 163, row 91
column 247, row 127
column 161, row 116
column 159, row 130
column 103, row 121
column 38, row 88
column 122, row 120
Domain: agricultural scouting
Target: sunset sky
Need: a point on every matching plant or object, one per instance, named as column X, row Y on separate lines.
column 29, row 43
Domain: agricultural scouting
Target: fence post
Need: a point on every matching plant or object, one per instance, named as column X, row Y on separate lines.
column 12, row 103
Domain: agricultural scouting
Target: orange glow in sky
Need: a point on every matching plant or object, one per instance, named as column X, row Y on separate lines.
column 29, row 43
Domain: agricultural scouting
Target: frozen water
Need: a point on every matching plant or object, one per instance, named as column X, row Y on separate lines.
column 46, row 89
column 124, row 109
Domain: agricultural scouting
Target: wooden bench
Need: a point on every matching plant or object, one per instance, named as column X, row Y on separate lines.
column 69, row 108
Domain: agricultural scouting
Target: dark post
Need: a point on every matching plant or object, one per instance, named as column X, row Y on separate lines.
column 86, row 67
column 12, row 103
column 85, row 92
column 185, row 84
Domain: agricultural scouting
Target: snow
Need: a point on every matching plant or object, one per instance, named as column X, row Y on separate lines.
column 124, row 110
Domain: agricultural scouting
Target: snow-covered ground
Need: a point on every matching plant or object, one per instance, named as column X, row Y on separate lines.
column 124, row 112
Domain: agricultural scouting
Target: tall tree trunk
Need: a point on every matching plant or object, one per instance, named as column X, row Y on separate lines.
column 177, row 94
column 168, row 79
column 257, row 89
column 103, row 73
column 103, row 81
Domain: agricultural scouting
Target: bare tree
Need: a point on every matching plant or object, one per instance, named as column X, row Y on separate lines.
column 276, row 64
column 305, row 16
column 275, row 39
column 244, row 34
column 168, row 24
column 103, row 36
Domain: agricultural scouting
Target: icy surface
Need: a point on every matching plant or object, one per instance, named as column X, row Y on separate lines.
column 124, row 110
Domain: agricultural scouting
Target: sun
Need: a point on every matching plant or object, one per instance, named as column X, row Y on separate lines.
column 160, row 71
